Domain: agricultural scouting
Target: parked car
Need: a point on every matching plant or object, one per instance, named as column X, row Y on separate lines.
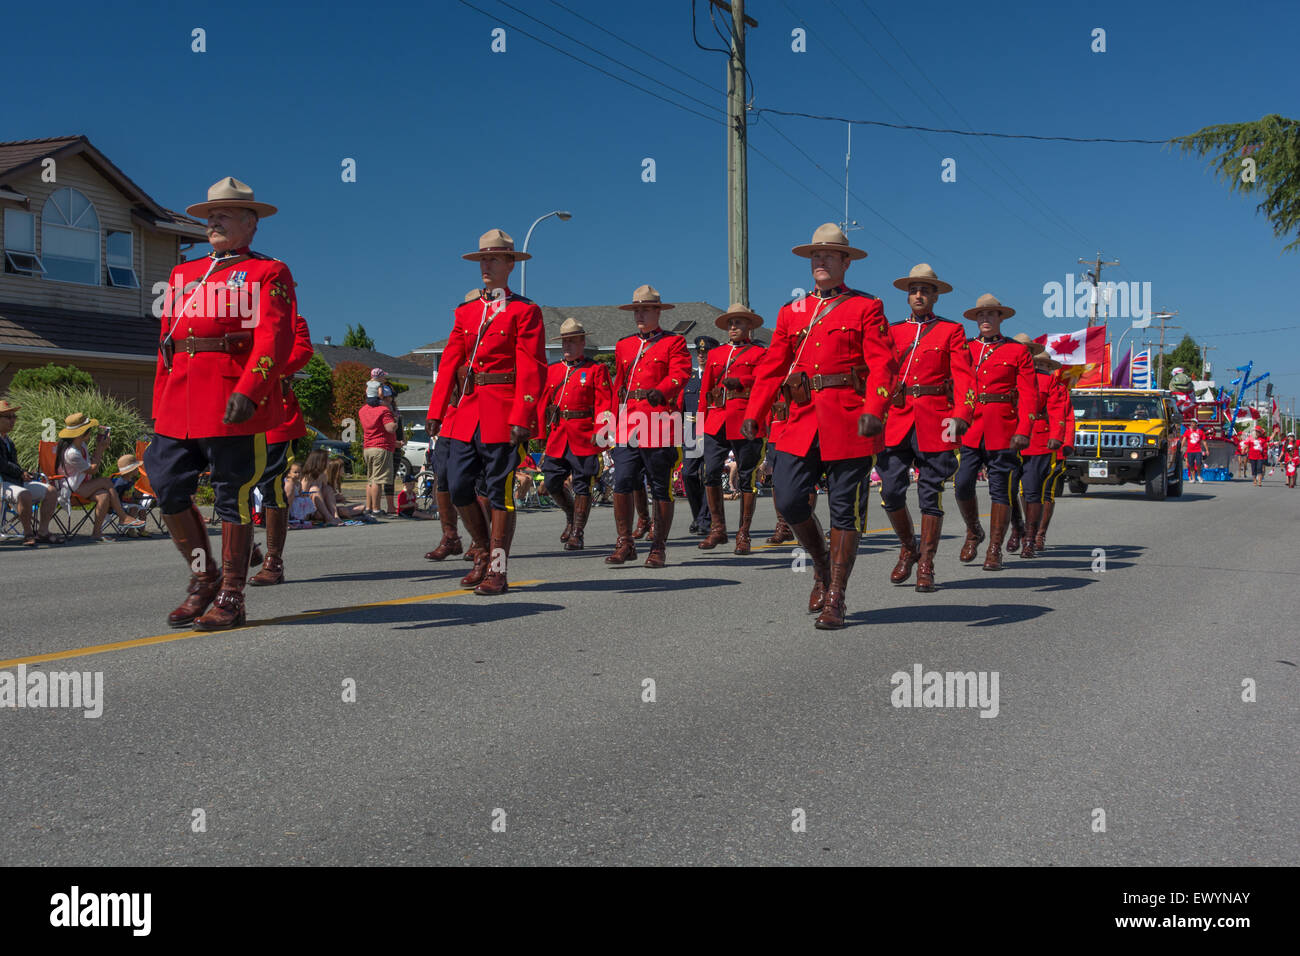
column 334, row 446
column 415, row 452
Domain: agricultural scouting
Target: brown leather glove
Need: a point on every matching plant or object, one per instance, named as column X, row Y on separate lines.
column 1053, row 443
column 656, row 398
column 519, row 434
column 749, row 428
column 433, row 426
column 1019, row 442
column 732, row 383
column 239, row 408
column 870, row 426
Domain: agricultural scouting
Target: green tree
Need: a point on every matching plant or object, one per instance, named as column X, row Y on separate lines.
column 1185, row 355
column 357, row 338
column 316, row 392
column 349, row 392
column 1262, row 157
column 62, row 378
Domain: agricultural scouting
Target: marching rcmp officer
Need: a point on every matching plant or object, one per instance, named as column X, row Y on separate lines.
column 450, row 542
column 693, row 463
column 832, row 359
column 932, row 407
column 651, row 369
column 279, row 440
column 1047, row 435
column 497, row 350
column 1056, row 480
column 577, row 392
column 726, row 381
column 227, row 331
column 1005, row 395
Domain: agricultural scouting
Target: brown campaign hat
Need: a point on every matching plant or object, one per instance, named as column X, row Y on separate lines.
column 230, row 192
column 646, row 297
column 76, row 425
column 473, row 294
column 738, row 311
column 1044, row 361
column 496, row 242
column 922, row 273
column 988, row 301
column 829, row 237
column 1034, row 348
column 570, row 328
column 8, row 406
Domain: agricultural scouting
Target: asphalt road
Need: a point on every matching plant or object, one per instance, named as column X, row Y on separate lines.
column 1119, row 691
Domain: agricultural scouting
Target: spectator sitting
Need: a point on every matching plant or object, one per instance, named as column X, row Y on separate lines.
column 322, row 493
column 301, row 507
column 406, row 500
column 21, row 488
column 128, row 473
column 78, row 466
column 334, row 475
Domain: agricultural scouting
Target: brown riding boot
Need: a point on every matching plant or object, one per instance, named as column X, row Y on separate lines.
column 748, row 500
column 782, row 533
column 1033, row 516
column 565, row 501
column 970, row 512
column 663, row 523
column 581, row 509
column 909, row 551
column 931, row 529
column 503, row 534
column 1017, row 525
column 624, row 548
column 450, row 543
column 717, row 519
column 472, row 552
column 813, row 541
column 477, row 527
column 1040, row 537
column 998, row 520
column 227, row 610
column 190, row 534
column 277, row 528
column 255, row 555
column 642, row 514
column 844, row 551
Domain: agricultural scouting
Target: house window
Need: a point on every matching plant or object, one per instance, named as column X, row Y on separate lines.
column 20, row 244
column 121, row 264
column 70, row 238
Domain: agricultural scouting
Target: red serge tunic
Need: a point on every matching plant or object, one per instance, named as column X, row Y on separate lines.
column 1053, row 407
column 293, row 425
column 729, row 361
column 246, row 295
column 1001, row 367
column 584, row 387
column 930, row 353
column 828, row 336
column 494, row 337
column 659, row 361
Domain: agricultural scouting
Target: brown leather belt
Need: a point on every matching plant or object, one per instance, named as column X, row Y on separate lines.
column 639, row 393
column 738, row 393
column 233, row 343
column 917, row 390
column 836, row 380
column 494, row 378
column 578, row 413
column 986, row 397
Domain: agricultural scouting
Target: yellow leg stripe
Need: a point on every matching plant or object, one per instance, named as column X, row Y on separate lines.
column 510, row 479
column 670, row 473
column 259, row 468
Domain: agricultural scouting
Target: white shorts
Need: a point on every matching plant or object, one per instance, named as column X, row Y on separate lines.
column 37, row 489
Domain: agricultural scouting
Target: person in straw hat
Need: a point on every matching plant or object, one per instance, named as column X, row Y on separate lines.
column 693, row 439
column 651, row 368
column 832, row 360
column 21, row 489
column 1005, row 396
column 227, row 331
column 1039, row 461
column 497, row 350
column 932, row 406
column 725, row 385
column 577, row 394
column 279, row 444
column 77, row 463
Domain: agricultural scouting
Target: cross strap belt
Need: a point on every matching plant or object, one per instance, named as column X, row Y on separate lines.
column 986, row 398
column 494, row 378
column 233, row 343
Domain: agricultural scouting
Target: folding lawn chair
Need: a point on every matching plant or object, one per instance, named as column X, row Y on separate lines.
column 148, row 497
column 10, row 526
column 70, row 499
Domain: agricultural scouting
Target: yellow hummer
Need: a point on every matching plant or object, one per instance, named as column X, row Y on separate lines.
column 1126, row 436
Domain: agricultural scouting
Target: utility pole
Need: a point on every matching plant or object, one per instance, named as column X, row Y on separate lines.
column 1162, row 316
column 1095, row 275
column 1205, row 350
column 737, row 168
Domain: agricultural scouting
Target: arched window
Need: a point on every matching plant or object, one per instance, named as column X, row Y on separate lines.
column 70, row 238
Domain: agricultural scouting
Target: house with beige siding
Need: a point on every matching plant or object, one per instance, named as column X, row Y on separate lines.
column 82, row 248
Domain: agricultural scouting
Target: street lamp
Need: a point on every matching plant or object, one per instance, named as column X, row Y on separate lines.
column 523, row 266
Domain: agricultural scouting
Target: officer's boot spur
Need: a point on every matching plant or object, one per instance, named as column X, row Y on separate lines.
column 998, row 520
column 503, row 533
column 909, row 550
column 642, row 514
column 1033, row 516
column 1017, row 525
column 1040, row 538
column 970, row 512
column 227, row 610
column 663, row 523
column 450, row 543
column 717, row 519
column 565, row 501
column 477, row 527
column 813, row 541
column 277, row 528
column 190, row 535
column 931, row 530
column 748, row 500
column 624, row 548
column 581, row 509
column 844, row 552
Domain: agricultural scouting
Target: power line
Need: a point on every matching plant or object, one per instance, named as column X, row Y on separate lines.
column 706, row 49
column 1280, row 328
column 961, row 132
column 593, row 66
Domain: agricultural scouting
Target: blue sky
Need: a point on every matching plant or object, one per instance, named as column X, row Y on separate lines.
column 451, row 139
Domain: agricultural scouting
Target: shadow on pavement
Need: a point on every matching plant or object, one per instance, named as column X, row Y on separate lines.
column 416, row 616
column 993, row 615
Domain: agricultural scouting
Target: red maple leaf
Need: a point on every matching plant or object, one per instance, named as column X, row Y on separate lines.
column 1065, row 345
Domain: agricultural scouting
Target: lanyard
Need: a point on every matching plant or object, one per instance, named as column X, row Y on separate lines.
column 911, row 353
column 484, row 321
column 559, row 399
column 820, row 314
column 985, row 349
column 636, row 361
column 176, row 317
column 732, row 357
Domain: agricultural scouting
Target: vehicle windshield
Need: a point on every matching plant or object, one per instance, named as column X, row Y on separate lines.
column 1115, row 407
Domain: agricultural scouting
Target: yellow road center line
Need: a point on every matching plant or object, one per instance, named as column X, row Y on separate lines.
column 185, row 635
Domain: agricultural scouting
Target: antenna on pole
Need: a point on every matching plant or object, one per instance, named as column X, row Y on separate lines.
column 848, row 224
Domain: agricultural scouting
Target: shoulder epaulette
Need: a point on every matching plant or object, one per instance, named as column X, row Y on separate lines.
column 261, row 255
column 867, row 295
column 515, row 297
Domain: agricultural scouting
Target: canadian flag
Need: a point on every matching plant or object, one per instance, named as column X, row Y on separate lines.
column 1085, row 347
